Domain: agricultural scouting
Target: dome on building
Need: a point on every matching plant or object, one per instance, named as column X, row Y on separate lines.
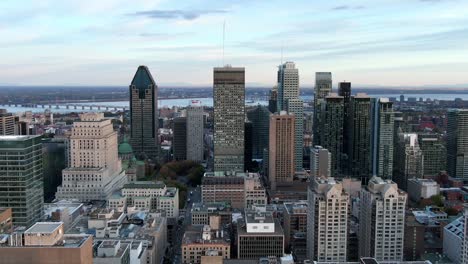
column 125, row 148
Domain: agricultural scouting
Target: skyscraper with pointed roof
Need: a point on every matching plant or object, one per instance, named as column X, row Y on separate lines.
column 143, row 114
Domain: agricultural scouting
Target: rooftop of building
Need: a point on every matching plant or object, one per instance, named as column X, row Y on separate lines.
column 105, row 213
column 214, row 180
column 242, row 228
column 211, row 207
column 18, row 138
column 43, row 227
column 194, row 235
column 144, row 185
column 125, row 148
column 299, row 207
column 423, row 181
column 456, row 227
column 71, row 206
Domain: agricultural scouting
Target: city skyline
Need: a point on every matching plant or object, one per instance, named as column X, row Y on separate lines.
column 58, row 43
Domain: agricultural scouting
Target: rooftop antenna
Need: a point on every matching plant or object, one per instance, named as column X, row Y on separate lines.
column 281, row 53
column 224, row 33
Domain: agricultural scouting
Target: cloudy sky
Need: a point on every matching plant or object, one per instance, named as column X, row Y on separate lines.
column 101, row 42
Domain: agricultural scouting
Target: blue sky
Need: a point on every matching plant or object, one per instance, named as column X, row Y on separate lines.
column 101, row 42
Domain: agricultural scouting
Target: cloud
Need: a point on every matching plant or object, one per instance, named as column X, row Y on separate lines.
column 178, row 14
column 348, row 7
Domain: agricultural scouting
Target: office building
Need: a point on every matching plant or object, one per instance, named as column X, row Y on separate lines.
column 144, row 114
column 327, row 220
column 457, row 143
column 295, row 228
column 344, row 89
column 179, row 142
column 332, row 132
column 288, row 84
column 212, row 214
column 111, row 251
column 195, row 131
column 94, row 171
column 320, row 162
column 288, row 100
column 281, row 149
column 382, row 220
column 229, row 117
column 259, row 235
column 434, row 152
column 46, row 243
column 419, row 189
column 199, row 241
column 323, row 86
column 359, row 147
column 273, row 100
column 382, row 138
column 454, row 234
column 7, row 123
column 409, row 159
column 248, row 148
column 146, row 196
column 55, row 156
column 241, row 190
column 21, row 178
column 260, row 118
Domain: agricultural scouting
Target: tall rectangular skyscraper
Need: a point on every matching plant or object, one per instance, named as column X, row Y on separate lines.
column 323, row 86
column 281, row 149
column 144, row 114
column 332, row 131
column 21, row 179
column 289, row 100
column 320, row 162
column 382, row 138
column 229, row 117
column 457, row 143
column 260, row 118
column 179, row 144
column 360, row 137
column 344, row 89
column 195, row 143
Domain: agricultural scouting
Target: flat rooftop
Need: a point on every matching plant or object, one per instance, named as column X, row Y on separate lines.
column 43, row 227
column 144, row 185
column 17, row 138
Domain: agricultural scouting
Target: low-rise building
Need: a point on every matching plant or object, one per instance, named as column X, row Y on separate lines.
column 6, row 220
column 211, row 213
column 63, row 211
column 111, row 252
column 259, row 235
column 295, row 227
column 422, row 189
column 45, row 243
column 199, row 241
column 242, row 190
column 146, row 195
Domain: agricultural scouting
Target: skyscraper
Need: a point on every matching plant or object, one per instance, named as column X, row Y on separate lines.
column 94, row 171
column 179, row 142
column 144, row 114
column 360, row 137
column 434, row 152
column 344, row 89
column 289, row 100
column 21, row 182
column 195, row 128
column 260, row 118
column 327, row 220
column 382, row 220
column 457, row 143
column 323, row 86
column 382, row 138
column 273, row 100
column 229, row 117
column 332, row 131
column 281, row 149
column 320, row 162
column 409, row 159
column 288, row 84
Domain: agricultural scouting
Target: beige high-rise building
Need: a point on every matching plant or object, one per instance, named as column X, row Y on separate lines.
column 195, row 142
column 328, row 213
column 7, row 123
column 229, row 117
column 281, row 149
column 382, row 220
column 95, row 169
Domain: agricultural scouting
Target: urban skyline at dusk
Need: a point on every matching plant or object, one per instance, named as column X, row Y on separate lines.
column 389, row 43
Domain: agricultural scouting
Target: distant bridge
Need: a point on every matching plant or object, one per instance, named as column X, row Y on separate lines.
column 70, row 106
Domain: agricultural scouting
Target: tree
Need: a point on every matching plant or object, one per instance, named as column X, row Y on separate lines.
column 438, row 200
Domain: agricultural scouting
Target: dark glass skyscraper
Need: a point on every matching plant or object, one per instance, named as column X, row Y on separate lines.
column 360, row 137
column 143, row 114
column 260, row 118
column 179, row 144
column 344, row 89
